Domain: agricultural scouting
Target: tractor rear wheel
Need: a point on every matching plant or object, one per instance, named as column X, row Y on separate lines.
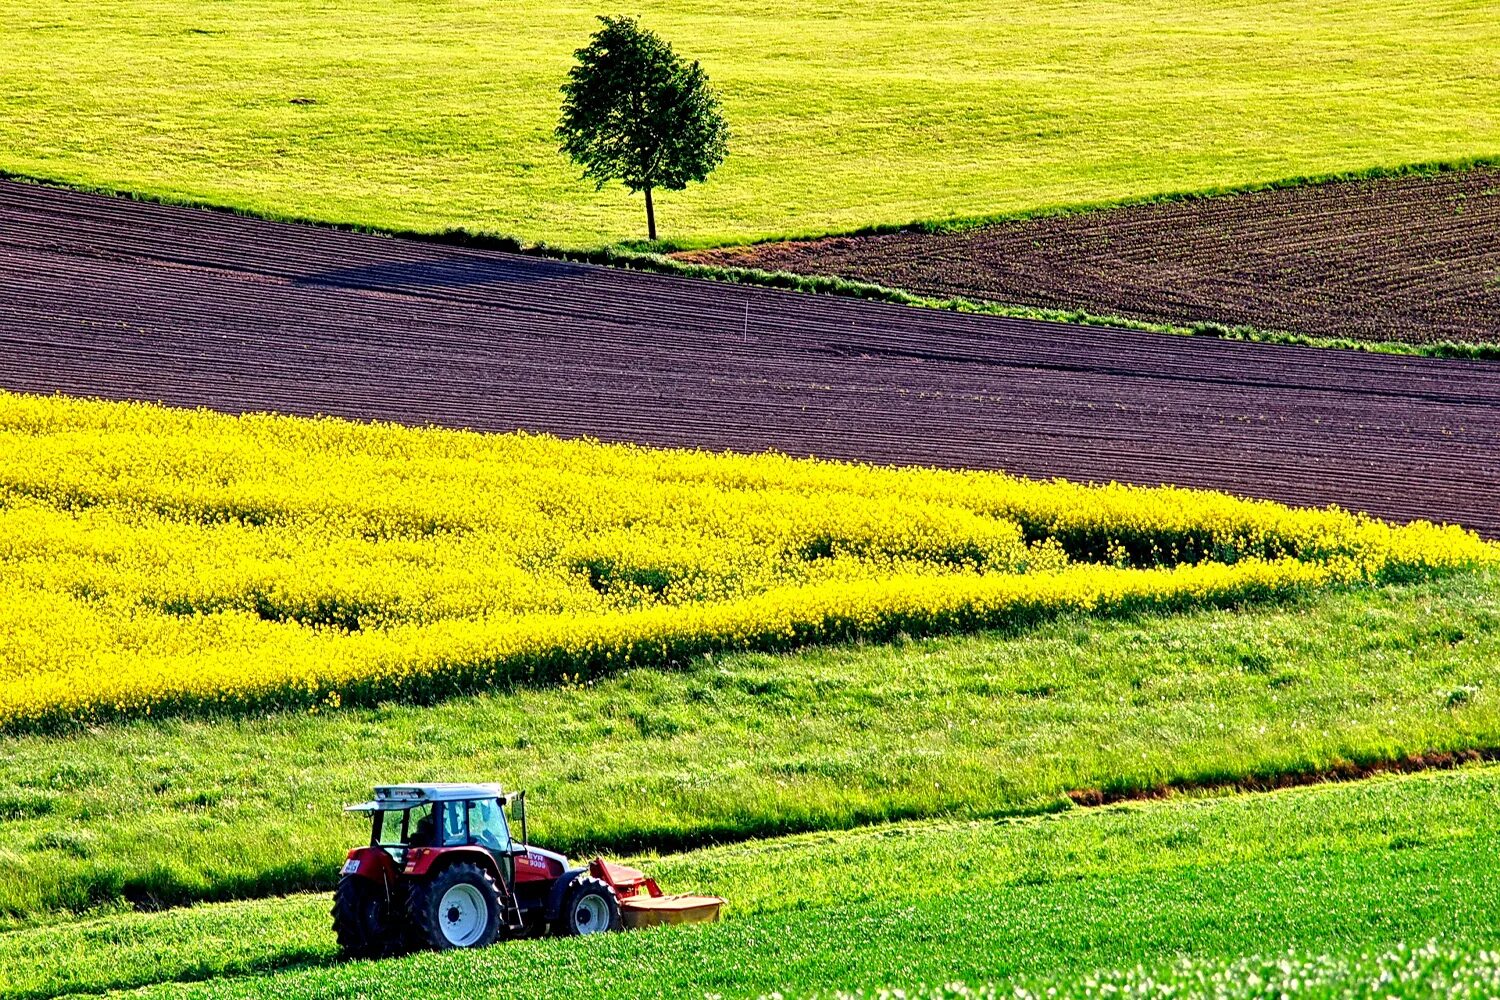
column 459, row 907
column 589, row 907
column 366, row 920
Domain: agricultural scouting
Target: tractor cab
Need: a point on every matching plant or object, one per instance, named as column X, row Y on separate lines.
column 446, row 867
column 416, row 824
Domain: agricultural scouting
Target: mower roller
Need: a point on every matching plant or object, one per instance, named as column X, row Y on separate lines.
column 442, row 871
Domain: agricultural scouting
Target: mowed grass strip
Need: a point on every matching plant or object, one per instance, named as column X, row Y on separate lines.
column 844, row 113
column 753, row 745
column 1334, row 867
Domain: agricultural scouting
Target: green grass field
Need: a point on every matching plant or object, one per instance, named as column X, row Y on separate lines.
column 742, row 746
column 430, row 115
column 891, row 815
column 1333, row 869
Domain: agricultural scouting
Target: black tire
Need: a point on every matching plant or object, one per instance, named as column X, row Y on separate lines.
column 589, row 906
column 366, row 920
column 444, row 911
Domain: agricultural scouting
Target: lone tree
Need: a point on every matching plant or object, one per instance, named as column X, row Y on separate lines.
column 634, row 110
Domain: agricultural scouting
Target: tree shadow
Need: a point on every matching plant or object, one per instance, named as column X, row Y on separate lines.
column 454, row 272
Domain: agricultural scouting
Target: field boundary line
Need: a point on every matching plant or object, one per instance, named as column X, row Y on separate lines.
column 870, row 291
column 1341, row 772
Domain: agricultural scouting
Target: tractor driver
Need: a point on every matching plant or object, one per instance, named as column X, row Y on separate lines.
column 421, row 834
column 484, row 823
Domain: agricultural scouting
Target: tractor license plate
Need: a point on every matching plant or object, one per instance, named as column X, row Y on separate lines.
column 351, row 866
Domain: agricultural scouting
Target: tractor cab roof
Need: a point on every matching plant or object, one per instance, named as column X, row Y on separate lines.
column 393, row 797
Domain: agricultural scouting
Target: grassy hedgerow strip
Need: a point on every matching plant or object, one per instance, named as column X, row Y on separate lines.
column 154, row 560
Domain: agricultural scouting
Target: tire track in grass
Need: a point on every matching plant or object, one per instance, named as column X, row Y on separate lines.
column 1432, row 760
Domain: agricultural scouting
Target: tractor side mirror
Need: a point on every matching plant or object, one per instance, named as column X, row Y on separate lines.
column 520, row 815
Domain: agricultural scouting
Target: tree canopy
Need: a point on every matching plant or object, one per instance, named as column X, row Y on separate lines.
column 635, row 111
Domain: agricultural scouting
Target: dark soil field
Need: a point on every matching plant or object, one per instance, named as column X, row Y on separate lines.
column 1413, row 259
column 127, row 300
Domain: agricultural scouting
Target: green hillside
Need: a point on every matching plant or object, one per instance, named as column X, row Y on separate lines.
column 438, row 113
column 749, row 745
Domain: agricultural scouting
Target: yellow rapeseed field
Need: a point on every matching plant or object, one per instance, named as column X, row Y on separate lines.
column 156, row 560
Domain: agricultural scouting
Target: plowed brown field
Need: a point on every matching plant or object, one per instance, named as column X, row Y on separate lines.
column 127, row 300
column 1412, row 259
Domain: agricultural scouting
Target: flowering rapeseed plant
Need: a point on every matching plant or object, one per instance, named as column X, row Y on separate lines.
column 165, row 560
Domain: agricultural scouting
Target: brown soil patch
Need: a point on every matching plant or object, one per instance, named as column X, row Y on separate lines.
column 1413, row 259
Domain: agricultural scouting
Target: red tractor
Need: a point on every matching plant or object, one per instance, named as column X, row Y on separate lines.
column 442, row 870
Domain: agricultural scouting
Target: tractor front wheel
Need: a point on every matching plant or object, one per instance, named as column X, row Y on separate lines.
column 589, row 907
column 365, row 921
column 459, row 907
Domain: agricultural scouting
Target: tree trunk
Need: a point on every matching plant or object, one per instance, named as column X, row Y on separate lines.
column 650, row 215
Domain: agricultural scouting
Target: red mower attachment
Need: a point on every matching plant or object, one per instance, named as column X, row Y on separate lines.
column 643, row 904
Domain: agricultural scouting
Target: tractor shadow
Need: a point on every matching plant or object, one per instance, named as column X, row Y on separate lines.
column 291, row 960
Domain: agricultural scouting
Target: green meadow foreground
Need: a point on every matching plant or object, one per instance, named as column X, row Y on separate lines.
column 731, row 747
column 1335, row 872
column 844, row 114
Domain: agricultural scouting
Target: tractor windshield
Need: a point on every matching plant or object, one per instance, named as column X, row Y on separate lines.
column 475, row 821
column 453, row 823
column 487, row 826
